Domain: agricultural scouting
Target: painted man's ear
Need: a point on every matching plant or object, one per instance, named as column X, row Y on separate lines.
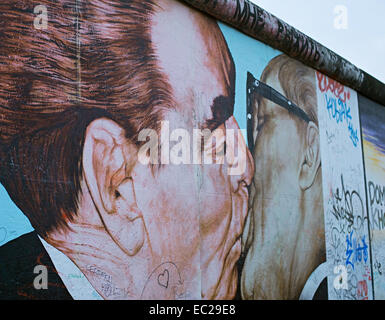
column 311, row 157
column 108, row 160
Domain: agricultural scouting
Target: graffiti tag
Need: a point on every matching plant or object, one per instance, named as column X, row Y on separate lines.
column 326, row 84
column 346, row 205
column 341, row 113
column 355, row 251
column 377, row 205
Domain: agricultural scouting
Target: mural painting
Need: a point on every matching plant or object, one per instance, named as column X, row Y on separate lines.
column 148, row 151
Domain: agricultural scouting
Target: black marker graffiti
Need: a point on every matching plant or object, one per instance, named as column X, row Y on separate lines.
column 330, row 137
column 377, row 266
column 99, row 273
column 377, row 205
column 295, row 42
column 347, row 205
column 109, row 289
column 163, row 278
column 249, row 13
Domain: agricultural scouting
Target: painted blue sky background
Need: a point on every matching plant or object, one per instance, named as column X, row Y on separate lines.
column 362, row 43
column 249, row 55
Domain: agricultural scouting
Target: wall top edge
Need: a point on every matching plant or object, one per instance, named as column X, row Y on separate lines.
column 261, row 25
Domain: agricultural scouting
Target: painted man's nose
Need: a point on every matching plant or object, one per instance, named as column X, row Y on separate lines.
column 240, row 159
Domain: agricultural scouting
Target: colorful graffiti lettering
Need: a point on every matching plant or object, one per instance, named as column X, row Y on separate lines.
column 362, row 290
column 353, row 134
column 376, row 194
column 341, row 113
column 377, row 205
column 378, row 267
column 346, row 205
column 326, row 84
column 355, row 252
column 338, row 109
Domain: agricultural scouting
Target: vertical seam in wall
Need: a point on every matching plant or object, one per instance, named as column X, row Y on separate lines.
column 78, row 53
column 367, row 199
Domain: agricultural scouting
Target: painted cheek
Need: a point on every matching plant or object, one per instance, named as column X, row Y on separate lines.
column 215, row 194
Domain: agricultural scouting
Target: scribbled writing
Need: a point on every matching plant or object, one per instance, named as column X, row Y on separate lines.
column 327, row 84
column 376, row 194
column 75, row 276
column 108, row 287
column 341, row 113
column 353, row 134
column 253, row 17
column 297, row 43
column 330, row 137
column 378, row 266
column 355, row 250
column 249, row 15
column 167, row 278
column 377, row 205
column 362, row 290
column 99, row 273
column 338, row 109
column 346, row 204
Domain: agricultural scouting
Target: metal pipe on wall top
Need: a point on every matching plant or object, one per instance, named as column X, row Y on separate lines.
column 267, row 28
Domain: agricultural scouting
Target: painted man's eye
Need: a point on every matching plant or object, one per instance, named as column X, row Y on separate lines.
column 260, row 124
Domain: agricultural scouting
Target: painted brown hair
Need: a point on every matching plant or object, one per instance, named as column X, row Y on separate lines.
column 297, row 81
column 94, row 60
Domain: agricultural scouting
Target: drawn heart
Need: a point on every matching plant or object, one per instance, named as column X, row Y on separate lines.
column 163, row 279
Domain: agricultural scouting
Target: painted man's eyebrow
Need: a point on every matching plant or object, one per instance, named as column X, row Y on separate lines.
column 222, row 109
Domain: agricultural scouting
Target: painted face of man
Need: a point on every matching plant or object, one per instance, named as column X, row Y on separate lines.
column 194, row 213
column 280, row 243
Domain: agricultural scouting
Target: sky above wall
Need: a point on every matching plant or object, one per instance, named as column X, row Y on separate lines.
column 353, row 29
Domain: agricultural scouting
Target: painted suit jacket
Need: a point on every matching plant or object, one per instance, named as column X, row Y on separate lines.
column 18, row 259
